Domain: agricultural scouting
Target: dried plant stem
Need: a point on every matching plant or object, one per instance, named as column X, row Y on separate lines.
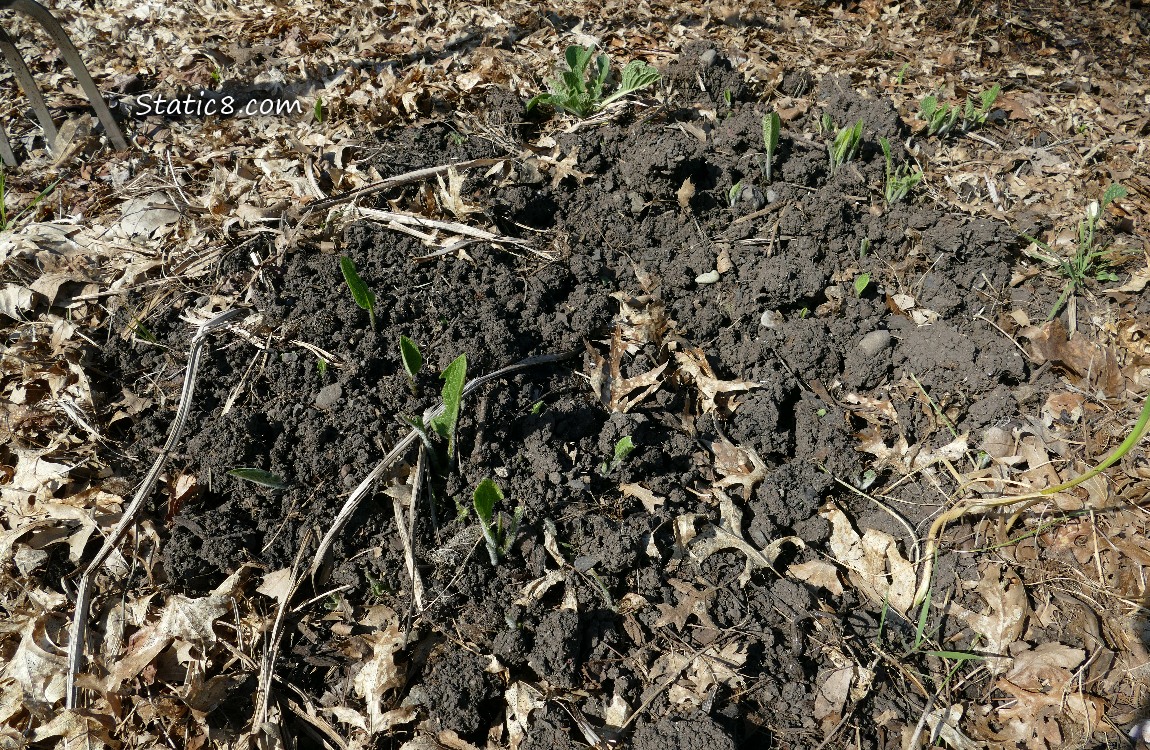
column 967, row 507
column 84, row 595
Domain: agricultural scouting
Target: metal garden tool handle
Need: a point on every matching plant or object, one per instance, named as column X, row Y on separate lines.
column 24, row 77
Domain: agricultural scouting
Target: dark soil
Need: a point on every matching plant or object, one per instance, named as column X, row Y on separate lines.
column 544, row 435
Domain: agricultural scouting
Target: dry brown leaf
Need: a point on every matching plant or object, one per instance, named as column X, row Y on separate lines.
column 685, row 193
column 450, row 195
column 182, row 619
column 692, row 601
column 277, row 585
column 650, row 500
column 1078, row 355
column 521, row 700
column 834, row 687
column 738, row 466
column 1004, row 620
column 380, row 674
column 818, row 573
column 1045, row 691
column 873, row 562
column 729, row 535
column 613, row 390
column 714, row 393
column 90, row 730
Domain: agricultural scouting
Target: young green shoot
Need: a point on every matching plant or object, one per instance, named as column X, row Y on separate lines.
column 900, row 180
column 623, row 448
column 498, row 538
column 579, row 91
column 359, row 291
column 845, row 145
column 260, row 477
column 772, row 126
column 454, row 378
column 862, row 281
column 1091, row 259
column 826, row 124
column 412, row 359
column 9, row 222
column 900, row 77
column 734, row 193
column 318, row 110
column 942, row 118
column 321, row 365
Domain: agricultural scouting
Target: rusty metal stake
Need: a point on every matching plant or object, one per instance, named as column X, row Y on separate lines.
column 28, row 85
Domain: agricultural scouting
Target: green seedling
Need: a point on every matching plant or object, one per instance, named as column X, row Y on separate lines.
column 143, row 332
column 9, row 222
column 826, row 124
column 727, row 97
column 900, row 180
column 318, row 111
column 454, row 378
column 359, row 291
column 862, row 281
column 900, row 77
column 537, row 408
column 942, row 118
column 321, row 365
column 260, row 477
column 864, row 247
column 734, row 193
column 1091, row 259
column 772, row 126
column 623, row 448
column 579, row 91
column 498, row 538
column 412, row 359
column 845, row 146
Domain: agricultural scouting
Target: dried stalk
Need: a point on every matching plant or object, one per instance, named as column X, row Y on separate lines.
column 84, row 595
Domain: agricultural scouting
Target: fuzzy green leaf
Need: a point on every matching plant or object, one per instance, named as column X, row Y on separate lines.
column 861, row 284
column 989, row 97
column 359, row 291
column 260, row 477
column 454, row 378
column 772, row 126
column 486, row 495
column 623, row 449
column 412, row 359
column 1113, row 193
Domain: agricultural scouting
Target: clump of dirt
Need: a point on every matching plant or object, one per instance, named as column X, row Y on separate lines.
column 809, row 288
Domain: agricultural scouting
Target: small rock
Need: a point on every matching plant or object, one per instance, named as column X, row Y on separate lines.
column 753, row 196
column 583, row 563
column 328, row 396
column 708, row 57
column 710, row 277
column 772, row 195
column 874, row 342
